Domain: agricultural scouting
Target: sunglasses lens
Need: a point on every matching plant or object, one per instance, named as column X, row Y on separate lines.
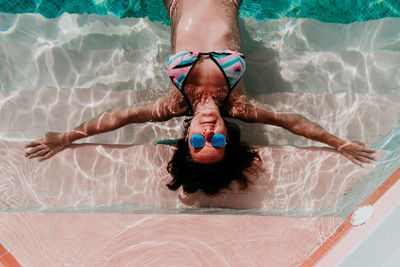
column 197, row 141
column 218, row 140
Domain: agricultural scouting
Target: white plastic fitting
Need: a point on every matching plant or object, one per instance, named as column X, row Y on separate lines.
column 361, row 215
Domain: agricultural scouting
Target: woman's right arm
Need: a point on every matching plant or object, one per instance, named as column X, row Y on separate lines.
column 163, row 109
column 249, row 111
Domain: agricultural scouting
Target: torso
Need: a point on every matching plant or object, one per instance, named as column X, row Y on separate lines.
column 204, row 26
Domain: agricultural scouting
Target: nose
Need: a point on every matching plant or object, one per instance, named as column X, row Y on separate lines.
column 208, row 132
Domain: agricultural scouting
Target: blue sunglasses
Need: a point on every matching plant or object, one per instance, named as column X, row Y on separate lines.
column 198, row 141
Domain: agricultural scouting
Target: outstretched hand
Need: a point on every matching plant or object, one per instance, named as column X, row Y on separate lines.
column 358, row 153
column 47, row 146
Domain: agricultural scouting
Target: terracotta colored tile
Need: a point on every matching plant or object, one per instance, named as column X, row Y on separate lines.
column 392, row 178
column 326, row 227
column 3, row 250
column 12, row 245
column 377, row 194
column 266, row 253
column 15, row 227
column 307, row 263
column 66, row 226
column 178, row 252
column 319, row 253
column 113, row 260
column 173, row 227
column 293, row 254
column 9, row 261
column 82, row 252
column 226, row 227
column 211, row 227
column 330, row 242
column 342, row 230
column 39, row 225
column 126, row 230
column 42, row 252
column 159, row 253
column 195, row 253
column 255, row 227
column 3, row 218
column 233, row 253
column 94, row 227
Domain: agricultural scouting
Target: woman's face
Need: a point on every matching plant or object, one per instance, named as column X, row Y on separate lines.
column 207, row 123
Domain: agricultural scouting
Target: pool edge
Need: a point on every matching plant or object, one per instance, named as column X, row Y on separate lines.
column 7, row 259
column 346, row 227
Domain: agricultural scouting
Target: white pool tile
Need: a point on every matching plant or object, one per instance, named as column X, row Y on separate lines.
column 388, row 232
column 370, row 253
column 350, row 262
column 381, row 247
column 394, row 260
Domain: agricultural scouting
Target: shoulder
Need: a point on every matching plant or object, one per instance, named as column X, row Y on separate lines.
column 174, row 102
column 242, row 108
column 237, row 103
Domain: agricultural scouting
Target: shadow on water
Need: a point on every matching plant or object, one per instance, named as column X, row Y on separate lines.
column 263, row 73
column 262, row 76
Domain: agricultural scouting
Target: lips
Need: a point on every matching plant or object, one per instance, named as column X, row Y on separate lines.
column 213, row 122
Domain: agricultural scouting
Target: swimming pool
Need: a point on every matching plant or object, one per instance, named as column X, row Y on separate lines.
column 56, row 73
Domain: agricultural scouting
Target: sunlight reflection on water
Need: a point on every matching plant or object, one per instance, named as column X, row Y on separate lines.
column 57, row 73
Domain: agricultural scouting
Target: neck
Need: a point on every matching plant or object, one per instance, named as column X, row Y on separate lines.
column 205, row 105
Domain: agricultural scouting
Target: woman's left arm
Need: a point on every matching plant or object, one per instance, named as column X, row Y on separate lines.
column 163, row 109
column 356, row 151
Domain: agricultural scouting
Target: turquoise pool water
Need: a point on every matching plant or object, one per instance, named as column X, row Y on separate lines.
column 336, row 11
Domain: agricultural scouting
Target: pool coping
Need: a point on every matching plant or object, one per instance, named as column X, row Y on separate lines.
column 346, row 227
column 7, row 259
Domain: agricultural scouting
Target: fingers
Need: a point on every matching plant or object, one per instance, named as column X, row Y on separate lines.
column 39, row 153
column 359, row 159
column 34, row 150
column 32, row 144
column 360, row 143
column 365, row 148
column 43, row 154
column 48, row 155
column 368, row 156
column 365, row 160
column 355, row 161
column 369, row 150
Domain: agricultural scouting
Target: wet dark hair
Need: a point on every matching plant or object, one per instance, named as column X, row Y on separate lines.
column 212, row 177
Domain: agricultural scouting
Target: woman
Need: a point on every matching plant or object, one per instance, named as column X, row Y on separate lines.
column 205, row 83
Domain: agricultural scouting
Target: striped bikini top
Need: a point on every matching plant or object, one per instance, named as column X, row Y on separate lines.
column 231, row 63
